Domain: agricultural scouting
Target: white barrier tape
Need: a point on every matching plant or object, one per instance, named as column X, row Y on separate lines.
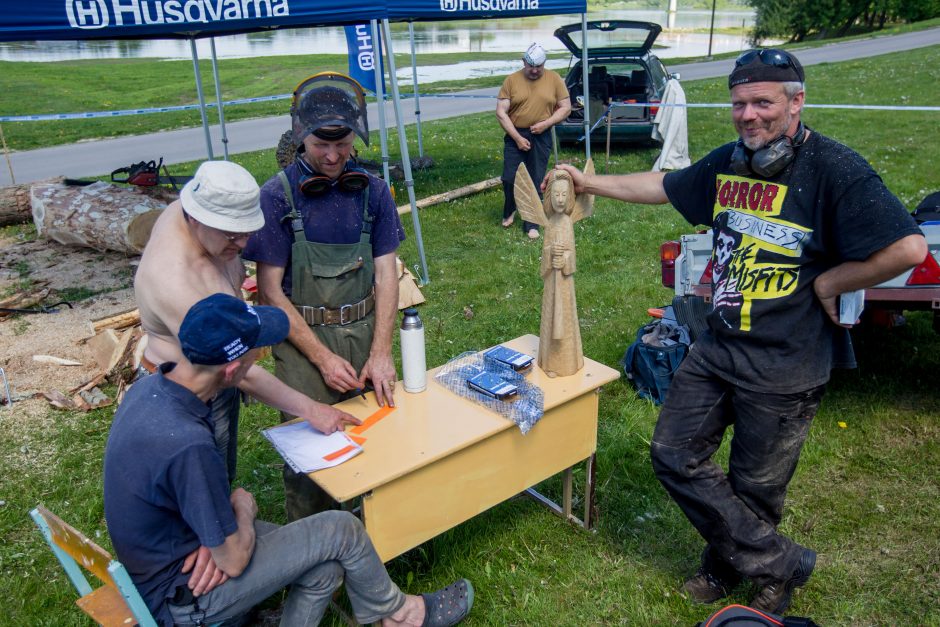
column 111, row 114
column 806, row 106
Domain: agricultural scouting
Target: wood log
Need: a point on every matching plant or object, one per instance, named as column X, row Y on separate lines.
column 460, row 192
column 101, row 216
column 24, row 300
column 117, row 321
column 14, row 202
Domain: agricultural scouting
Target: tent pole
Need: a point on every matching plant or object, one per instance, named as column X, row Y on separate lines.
column 403, row 143
column 585, row 86
column 218, row 97
column 202, row 99
column 380, row 101
column 414, row 84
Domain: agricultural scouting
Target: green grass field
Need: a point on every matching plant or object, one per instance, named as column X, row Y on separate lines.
column 865, row 496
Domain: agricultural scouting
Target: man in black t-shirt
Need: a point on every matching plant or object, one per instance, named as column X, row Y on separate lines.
column 798, row 219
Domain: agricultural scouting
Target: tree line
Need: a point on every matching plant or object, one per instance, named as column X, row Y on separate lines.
column 797, row 20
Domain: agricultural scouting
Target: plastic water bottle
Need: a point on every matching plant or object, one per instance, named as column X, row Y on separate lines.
column 413, row 361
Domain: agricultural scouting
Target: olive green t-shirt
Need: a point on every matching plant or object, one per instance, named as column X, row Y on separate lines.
column 532, row 101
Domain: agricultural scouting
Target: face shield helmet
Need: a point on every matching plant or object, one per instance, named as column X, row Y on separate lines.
column 329, row 105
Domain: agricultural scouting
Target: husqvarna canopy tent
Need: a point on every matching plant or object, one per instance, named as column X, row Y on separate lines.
column 168, row 19
column 441, row 10
column 185, row 19
column 190, row 19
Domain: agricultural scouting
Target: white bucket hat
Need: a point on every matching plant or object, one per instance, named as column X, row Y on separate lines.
column 535, row 55
column 225, row 196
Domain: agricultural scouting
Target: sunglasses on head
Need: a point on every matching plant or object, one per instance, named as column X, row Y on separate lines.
column 767, row 56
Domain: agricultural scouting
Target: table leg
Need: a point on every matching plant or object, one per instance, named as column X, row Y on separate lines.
column 566, row 493
column 564, row 510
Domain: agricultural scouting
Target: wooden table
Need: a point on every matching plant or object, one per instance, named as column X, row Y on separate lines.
column 439, row 459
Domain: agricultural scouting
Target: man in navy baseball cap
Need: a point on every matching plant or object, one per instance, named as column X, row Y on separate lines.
column 221, row 328
column 193, row 546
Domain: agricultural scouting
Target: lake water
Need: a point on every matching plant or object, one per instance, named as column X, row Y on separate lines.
column 508, row 35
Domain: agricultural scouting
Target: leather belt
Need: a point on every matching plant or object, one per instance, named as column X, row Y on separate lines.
column 340, row 316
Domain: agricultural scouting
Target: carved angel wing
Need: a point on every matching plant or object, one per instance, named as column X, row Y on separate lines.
column 584, row 203
column 527, row 197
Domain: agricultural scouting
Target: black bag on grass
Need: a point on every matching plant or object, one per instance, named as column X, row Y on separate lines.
column 743, row 616
column 653, row 358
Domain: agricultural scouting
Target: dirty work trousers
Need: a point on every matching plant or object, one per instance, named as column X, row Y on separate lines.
column 736, row 512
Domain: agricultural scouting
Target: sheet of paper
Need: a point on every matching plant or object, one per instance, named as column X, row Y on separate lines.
column 305, row 449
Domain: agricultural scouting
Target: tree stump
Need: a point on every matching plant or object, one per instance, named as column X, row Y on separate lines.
column 100, row 216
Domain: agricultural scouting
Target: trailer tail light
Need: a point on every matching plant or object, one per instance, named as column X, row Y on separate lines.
column 927, row 273
column 668, row 252
column 706, row 278
column 654, row 109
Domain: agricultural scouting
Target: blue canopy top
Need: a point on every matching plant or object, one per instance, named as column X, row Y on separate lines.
column 170, row 19
column 174, row 19
column 441, row 10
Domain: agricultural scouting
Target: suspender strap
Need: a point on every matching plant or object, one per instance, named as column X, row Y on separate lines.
column 296, row 222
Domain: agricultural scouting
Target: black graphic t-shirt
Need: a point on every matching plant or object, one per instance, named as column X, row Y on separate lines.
column 771, row 239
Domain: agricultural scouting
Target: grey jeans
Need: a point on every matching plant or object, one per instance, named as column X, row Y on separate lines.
column 312, row 556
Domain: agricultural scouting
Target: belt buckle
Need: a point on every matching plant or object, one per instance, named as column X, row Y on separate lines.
column 323, row 311
column 343, row 310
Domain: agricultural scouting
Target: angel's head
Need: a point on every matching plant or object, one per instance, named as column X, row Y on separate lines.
column 561, row 190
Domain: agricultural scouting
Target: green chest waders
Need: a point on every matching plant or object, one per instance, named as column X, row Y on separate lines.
column 329, row 281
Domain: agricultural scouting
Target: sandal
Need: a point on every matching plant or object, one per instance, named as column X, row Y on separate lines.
column 448, row 606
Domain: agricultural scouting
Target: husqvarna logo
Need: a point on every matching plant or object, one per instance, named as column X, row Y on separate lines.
column 87, row 13
column 488, row 5
column 94, row 14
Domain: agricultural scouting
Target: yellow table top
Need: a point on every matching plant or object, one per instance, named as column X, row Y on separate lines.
column 432, row 424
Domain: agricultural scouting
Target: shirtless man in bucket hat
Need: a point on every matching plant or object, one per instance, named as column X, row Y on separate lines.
column 194, row 251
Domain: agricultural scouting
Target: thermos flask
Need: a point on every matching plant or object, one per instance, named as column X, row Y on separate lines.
column 413, row 361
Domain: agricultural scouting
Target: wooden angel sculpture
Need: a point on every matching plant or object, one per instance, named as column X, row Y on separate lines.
column 560, row 352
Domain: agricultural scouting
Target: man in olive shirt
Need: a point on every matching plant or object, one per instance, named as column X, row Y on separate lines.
column 530, row 102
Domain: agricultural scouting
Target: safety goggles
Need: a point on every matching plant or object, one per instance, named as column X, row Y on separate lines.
column 767, row 56
column 349, row 181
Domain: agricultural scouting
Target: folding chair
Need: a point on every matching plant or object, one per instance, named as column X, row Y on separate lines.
column 117, row 601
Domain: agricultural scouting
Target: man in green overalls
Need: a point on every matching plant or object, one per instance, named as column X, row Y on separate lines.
column 326, row 256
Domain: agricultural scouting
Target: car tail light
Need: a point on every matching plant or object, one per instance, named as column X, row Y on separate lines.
column 668, row 252
column 654, row 110
column 927, row 273
column 706, row 278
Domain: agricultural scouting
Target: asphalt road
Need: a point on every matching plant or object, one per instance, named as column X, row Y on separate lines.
column 102, row 156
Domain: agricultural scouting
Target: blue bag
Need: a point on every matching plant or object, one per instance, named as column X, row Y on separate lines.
column 653, row 358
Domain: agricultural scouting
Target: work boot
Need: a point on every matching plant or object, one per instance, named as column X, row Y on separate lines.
column 775, row 597
column 714, row 580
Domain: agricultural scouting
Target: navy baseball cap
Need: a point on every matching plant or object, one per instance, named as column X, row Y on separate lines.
column 221, row 328
column 766, row 64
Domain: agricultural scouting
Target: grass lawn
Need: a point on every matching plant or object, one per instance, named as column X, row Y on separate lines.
column 865, row 495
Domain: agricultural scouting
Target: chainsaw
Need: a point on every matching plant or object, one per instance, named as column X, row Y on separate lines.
column 147, row 174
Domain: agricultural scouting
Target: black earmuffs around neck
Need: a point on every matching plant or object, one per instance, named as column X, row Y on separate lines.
column 769, row 161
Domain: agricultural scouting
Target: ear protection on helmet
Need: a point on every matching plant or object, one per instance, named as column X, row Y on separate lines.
column 312, row 183
column 770, row 160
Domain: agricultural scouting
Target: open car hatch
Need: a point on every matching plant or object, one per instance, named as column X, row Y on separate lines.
column 610, row 37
